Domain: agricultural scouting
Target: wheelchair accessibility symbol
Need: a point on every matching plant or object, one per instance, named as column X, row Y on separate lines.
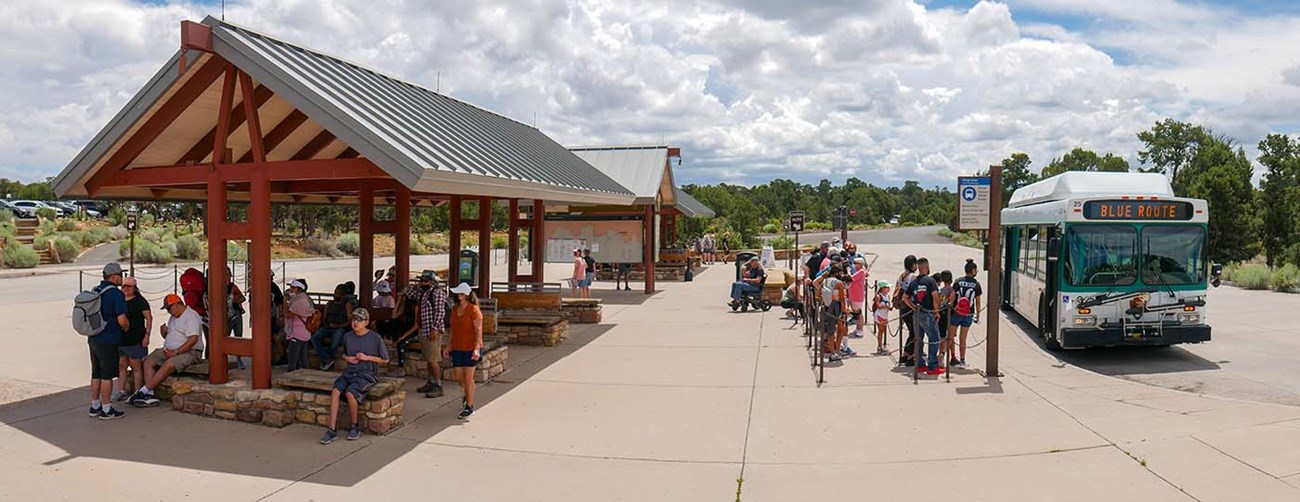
column 968, row 194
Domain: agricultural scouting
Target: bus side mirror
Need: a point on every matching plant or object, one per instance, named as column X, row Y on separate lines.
column 1053, row 248
column 1216, row 270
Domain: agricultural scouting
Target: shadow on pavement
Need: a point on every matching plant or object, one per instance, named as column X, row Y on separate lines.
column 1116, row 361
column 161, row 436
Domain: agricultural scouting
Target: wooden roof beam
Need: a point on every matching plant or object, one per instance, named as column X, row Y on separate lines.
column 203, row 147
column 278, row 134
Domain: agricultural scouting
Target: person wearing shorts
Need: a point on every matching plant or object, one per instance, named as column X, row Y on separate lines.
column 135, row 342
column 965, row 307
column 364, row 350
column 103, row 346
column 466, row 347
column 858, row 294
column 432, row 317
column 182, row 346
column 881, row 307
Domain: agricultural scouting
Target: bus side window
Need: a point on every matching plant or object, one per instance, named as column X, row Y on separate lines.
column 1024, row 250
column 1040, row 253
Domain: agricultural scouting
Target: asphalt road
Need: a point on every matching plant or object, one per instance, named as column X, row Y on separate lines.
column 900, row 235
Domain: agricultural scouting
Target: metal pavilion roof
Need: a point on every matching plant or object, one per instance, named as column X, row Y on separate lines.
column 429, row 142
column 641, row 169
column 690, row 206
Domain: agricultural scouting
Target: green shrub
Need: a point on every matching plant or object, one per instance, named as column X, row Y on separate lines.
column 500, row 241
column 46, row 228
column 6, row 216
column 437, row 243
column 98, row 235
column 1285, row 279
column 117, row 233
column 146, row 252
column 20, row 256
column 67, row 250
column 350, row 244
column 8, row 230
column 770, row 228
column 781, row 242
column 417, row 246
column 322, row 247
column 146, row 219
column 116, row 217
column 46, row 213
column 189, row 247
column 1251, row 276
column 67, row 225
column 41, row 241
column 235, row 251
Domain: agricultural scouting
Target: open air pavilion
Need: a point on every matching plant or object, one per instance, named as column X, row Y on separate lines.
column 239, row 116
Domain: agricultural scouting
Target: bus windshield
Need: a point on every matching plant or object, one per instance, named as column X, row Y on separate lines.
column 1100, row 255
column 1173, row 254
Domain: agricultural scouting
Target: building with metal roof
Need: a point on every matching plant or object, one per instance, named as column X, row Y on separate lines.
column 315, row 107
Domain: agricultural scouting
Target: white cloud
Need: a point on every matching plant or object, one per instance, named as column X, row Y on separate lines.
column 885, row 90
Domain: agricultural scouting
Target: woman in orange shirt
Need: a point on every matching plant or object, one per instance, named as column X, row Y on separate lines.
column 466, row 347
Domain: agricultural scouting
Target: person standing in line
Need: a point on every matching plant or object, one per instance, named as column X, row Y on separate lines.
column 104, row 346
column 965, row 307
column 922, row 297
column 590, row 277
column 297, row 312
column 858, row 294
column 881, row 307
column 832, row 293
column 579, row 274
column 624, row 275
column 432, row 318
column 905, row 320
column 945, row 305
column 135, row 342
column 466, row 347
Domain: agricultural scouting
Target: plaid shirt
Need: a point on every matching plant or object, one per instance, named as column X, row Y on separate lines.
column 432, row 313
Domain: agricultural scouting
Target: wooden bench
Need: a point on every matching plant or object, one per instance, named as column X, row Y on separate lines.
column 582, row 310
column 381, row 412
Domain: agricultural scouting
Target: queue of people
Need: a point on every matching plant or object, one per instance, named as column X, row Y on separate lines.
column 935, row 307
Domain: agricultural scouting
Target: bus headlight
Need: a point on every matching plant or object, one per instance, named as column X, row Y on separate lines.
column 1085, row 320
column 1189, row 318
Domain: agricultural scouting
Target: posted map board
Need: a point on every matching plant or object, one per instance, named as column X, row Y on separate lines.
column 973, row 194
column 610, row 241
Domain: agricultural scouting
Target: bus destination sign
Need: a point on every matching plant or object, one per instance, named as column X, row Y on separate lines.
column 1137, row 210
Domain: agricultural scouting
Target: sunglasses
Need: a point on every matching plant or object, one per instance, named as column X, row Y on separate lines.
column 128, row 286
column 359, row 319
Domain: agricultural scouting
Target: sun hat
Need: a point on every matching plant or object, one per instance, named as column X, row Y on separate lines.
column 383, row 287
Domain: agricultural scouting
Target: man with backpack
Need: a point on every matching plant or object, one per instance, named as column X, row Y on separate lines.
column 432, row 300
column 101, row 315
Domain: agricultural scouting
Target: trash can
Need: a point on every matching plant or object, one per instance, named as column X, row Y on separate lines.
column 741, row 258
column 467, row 267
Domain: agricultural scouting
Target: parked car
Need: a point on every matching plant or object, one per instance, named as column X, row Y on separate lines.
column 93, row 209
column 19, row 211
column 36, row 205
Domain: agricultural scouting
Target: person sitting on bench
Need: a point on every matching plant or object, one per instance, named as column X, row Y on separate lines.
column 182, row 346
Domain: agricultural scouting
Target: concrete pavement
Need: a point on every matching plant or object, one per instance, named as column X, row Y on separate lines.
column 674, row 397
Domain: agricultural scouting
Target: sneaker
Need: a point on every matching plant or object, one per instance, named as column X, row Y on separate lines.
column 465, row 412
column 908, row 362
column 857, row 333
column 428, row 386
column 94, row 412
column 144, row 400
column 961, row 364
column 327, row 365
column 882, row 351
column 239, row 363
column 954, row 363
column 118, row 396
column 847, row 352
column 112, row 414
column 436, row 391
column 329, row 436
column 833, row 357
column 398, row 373
column 354, row 433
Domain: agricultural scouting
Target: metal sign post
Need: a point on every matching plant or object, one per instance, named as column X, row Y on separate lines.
column 796, row 226
column 130, row 227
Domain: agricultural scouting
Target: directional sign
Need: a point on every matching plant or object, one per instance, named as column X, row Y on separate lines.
column 973, row 202
column 130, row 221
column 796, row 221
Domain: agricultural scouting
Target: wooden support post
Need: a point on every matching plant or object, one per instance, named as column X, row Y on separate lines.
column 537, row 241
column 484, row 246
column 649, row 244
column 512, row 243
column 367, row 237
column 259, row 253
column 403, row 238
column 993, row 307
column 453, row 272
column 218, row 373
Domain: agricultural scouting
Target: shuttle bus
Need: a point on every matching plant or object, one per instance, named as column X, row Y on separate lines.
column 1107, row 259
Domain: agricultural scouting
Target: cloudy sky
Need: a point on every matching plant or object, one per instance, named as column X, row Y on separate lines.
column 885, row 90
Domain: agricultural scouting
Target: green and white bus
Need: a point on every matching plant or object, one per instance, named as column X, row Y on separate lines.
column 1107, row 259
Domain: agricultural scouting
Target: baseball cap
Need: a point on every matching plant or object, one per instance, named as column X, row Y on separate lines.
column 171, row 299
column 462, row 289
column 826, row 244
column 427, row 275
column 298, row 283
column 113, row 268
column 383, row 287
column 360, row 314
column 882, row 284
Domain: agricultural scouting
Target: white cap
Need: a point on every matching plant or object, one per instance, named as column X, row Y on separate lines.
column 297, row 283
column 461, row 289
